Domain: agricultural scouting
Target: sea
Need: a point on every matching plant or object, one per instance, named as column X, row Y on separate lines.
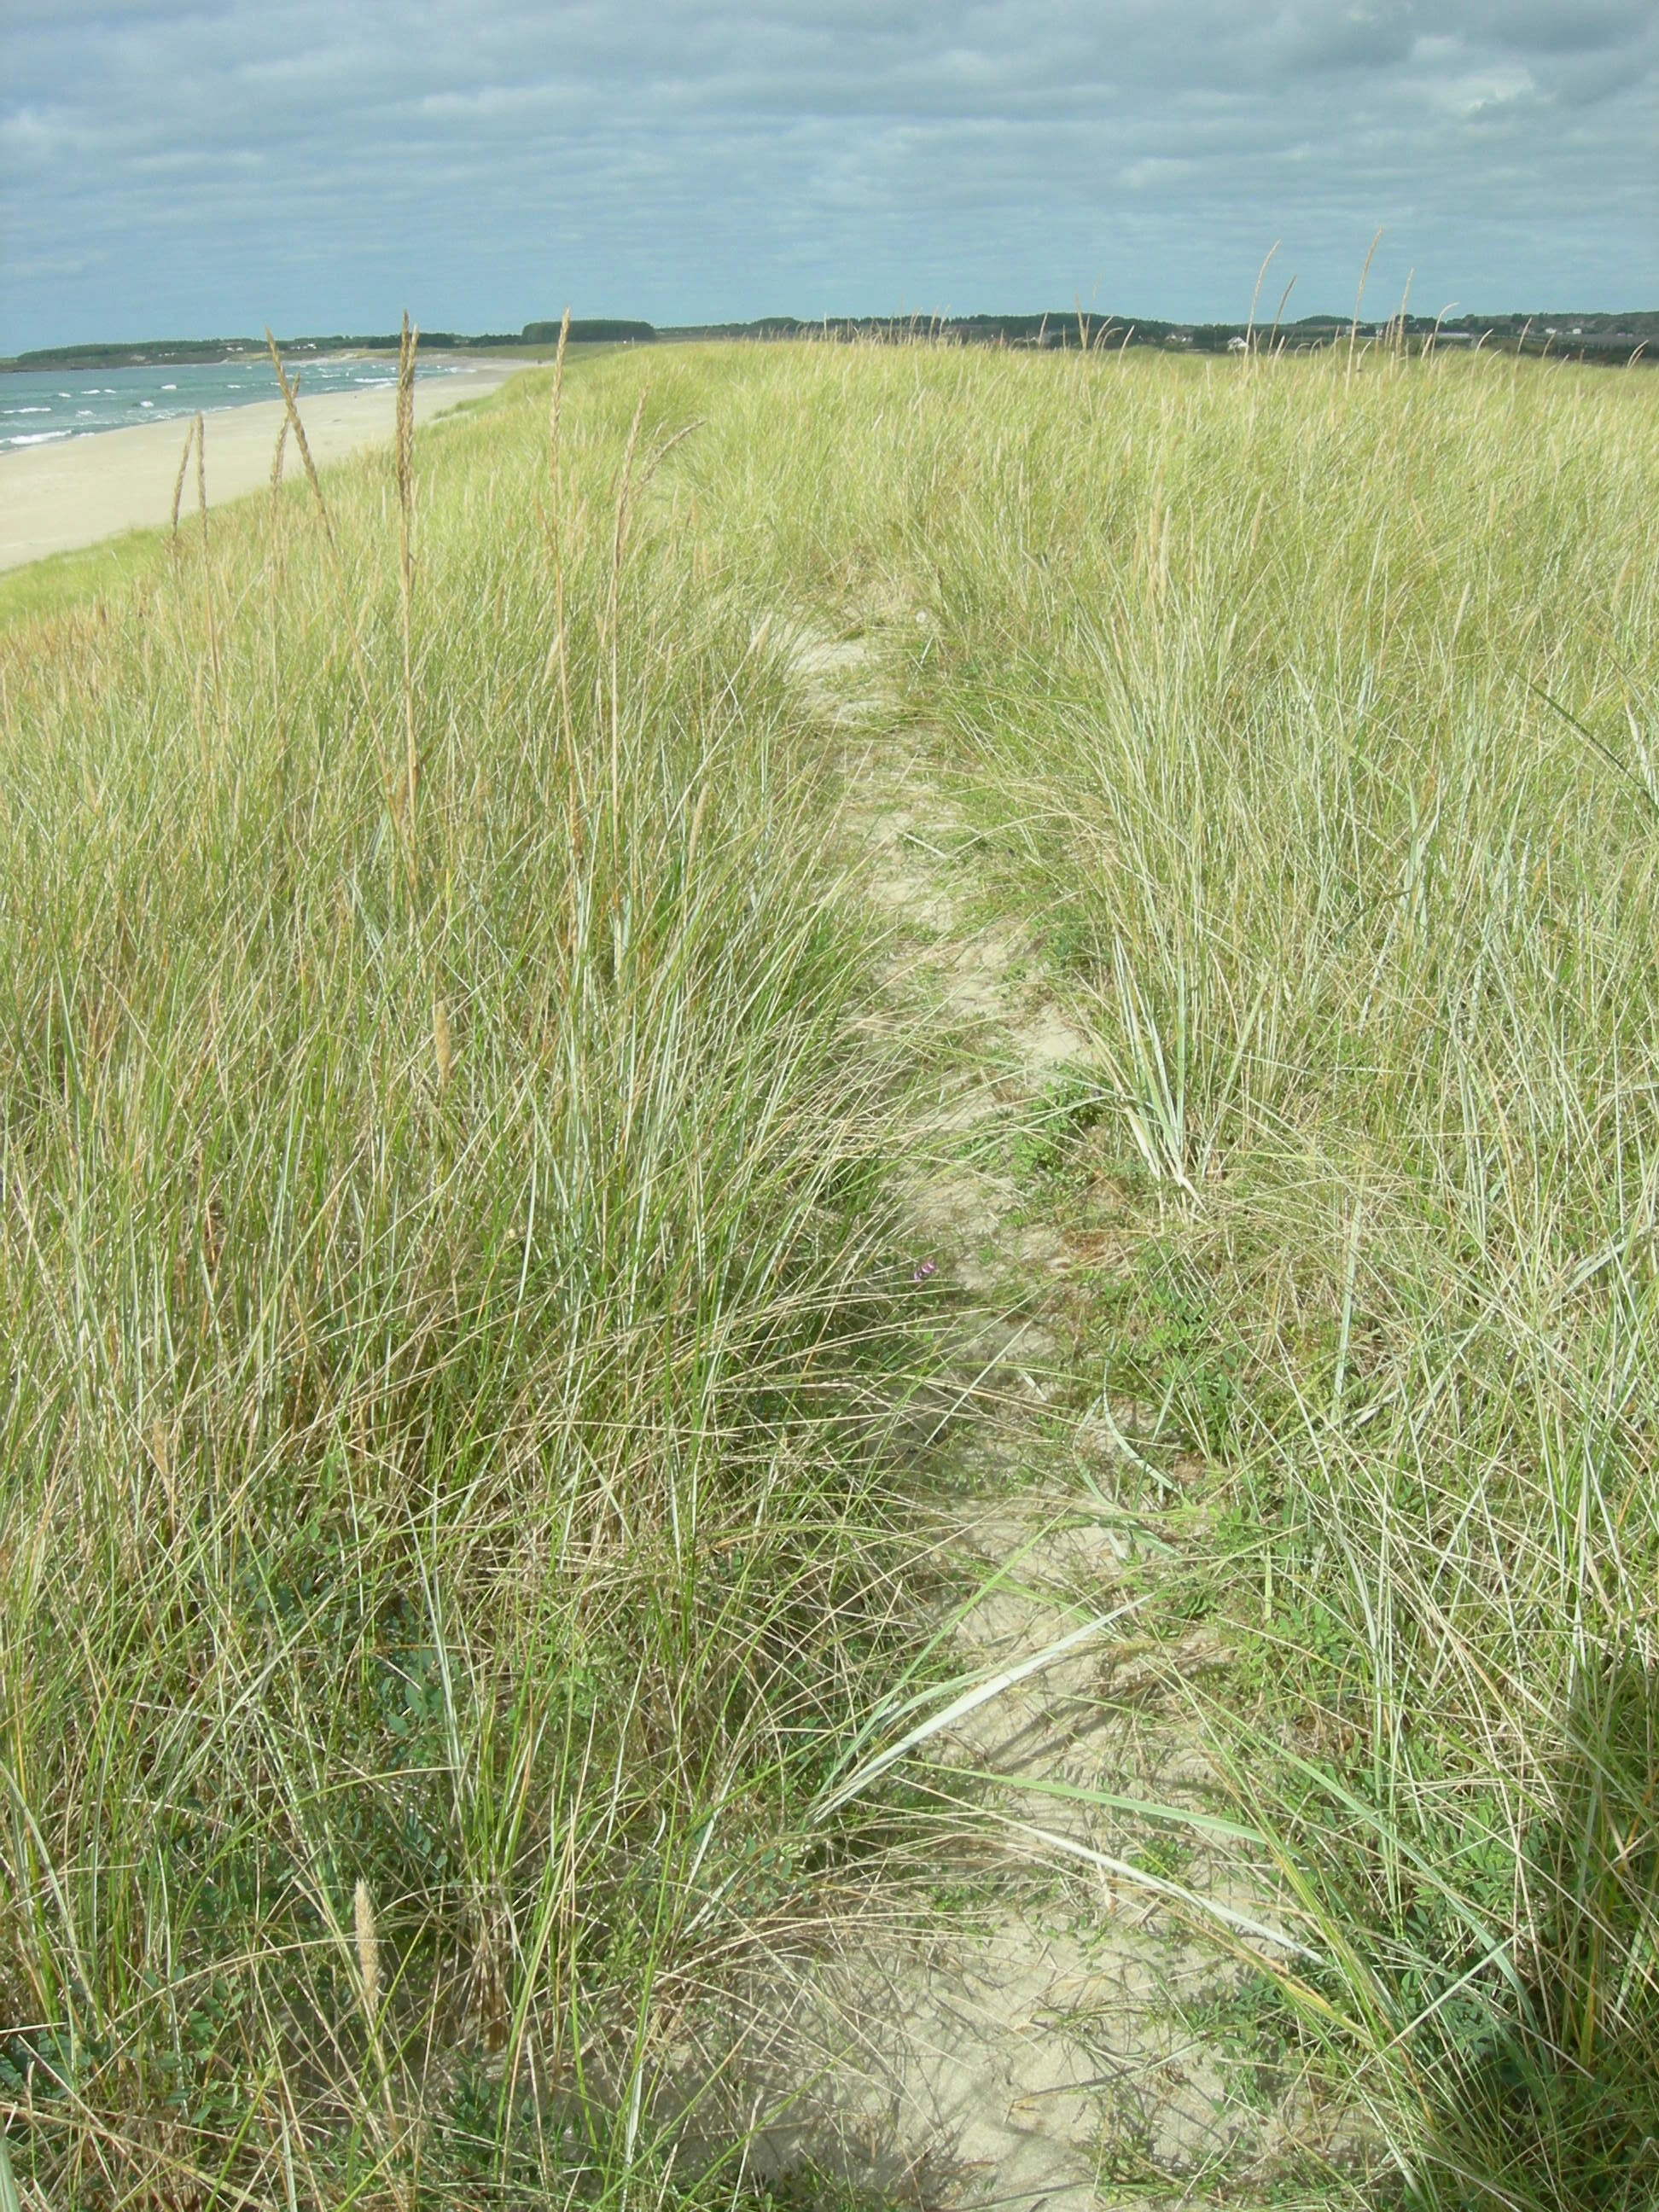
column 39, row 406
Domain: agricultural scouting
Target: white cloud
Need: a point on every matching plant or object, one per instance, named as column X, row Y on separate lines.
column 1154, row 169
column 31, row 136
column 1476, row 92
column 490, row 102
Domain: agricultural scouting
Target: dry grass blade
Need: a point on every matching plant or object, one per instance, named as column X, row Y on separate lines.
column 555, row 410
column 613, row 603
column 1279, row 315
column 1256, row 297
column 179, row 481
column 274, row 542
column 558, row 653
column 290, row 401
column 220, row 698
column 1359, row 301
column 1401, row 319
column 406, row 469
column 290, row 390
column 443, row 1048
column 981, row 1693
column 278, row 456
column 1192, row 1904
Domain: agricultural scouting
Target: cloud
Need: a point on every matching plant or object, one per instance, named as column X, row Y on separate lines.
column 1154, row 169
column 485, row 162
column 1470, row 93
column 34, row 136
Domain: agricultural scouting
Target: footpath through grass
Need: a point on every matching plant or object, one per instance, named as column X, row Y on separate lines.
column 1312, row 714
column 444, row 1240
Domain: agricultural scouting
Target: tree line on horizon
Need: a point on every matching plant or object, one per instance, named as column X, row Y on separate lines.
column 1585, row 334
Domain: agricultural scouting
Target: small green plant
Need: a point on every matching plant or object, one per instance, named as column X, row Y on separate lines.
column 1045, row 1142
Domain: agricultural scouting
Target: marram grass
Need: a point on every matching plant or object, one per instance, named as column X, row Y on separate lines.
column 441, row 1263
column 442, row 1543
column 1312, row 715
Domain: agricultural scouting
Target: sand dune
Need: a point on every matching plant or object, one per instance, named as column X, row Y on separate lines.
column 54, row 498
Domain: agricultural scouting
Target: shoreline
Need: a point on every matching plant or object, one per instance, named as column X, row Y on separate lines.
column 75, row 492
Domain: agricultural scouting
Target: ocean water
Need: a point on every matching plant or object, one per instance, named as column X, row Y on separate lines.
column 39, row 405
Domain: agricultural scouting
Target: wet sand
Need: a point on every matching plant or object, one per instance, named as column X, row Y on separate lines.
column 79, row 490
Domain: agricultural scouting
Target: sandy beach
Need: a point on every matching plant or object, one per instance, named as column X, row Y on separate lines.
column 80, row 490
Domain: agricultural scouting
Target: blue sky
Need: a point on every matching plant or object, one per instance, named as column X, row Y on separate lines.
column 188, row 170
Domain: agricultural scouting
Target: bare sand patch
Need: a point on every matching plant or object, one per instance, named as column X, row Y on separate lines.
column 56, row 498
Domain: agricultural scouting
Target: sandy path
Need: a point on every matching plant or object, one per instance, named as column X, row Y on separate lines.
column 55, row 498
column 1042, row 2043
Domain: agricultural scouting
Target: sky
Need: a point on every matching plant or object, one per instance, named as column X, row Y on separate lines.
column 197, row 170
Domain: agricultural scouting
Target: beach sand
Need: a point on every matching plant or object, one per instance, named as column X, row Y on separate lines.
column 79, row 490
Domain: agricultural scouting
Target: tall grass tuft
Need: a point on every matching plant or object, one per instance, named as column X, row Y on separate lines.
column 440, row 1538
column 1307, row 717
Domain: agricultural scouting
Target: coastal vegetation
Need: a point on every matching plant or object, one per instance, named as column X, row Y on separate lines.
column 466, row 1531
column 1590, row 336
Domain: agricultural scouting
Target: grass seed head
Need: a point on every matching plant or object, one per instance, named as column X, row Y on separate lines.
column 368, row 1954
